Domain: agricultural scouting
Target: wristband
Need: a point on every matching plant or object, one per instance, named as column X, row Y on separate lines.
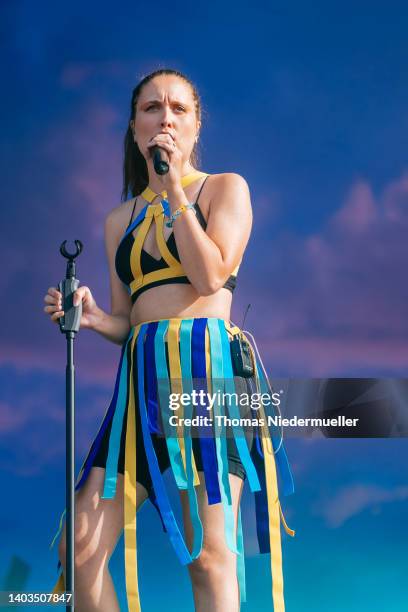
column 177, row 213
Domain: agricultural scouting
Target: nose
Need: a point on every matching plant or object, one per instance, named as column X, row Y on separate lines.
column 166, row 120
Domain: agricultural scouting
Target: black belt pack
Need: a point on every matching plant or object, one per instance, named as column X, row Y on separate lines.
column 241, row 355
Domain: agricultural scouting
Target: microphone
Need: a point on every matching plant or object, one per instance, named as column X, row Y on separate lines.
column 161, row 166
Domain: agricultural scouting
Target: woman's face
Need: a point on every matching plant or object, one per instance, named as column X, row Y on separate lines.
column 166, row 104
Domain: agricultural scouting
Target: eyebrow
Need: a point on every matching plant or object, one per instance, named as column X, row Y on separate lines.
column 156, row 100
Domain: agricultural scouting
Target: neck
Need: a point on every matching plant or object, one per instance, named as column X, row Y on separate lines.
column 155, row 182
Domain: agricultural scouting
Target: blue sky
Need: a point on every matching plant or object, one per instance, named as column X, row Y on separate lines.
column 309, row 104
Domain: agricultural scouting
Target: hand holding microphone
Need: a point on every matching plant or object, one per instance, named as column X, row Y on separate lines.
column 162, row 151
column 159, row 155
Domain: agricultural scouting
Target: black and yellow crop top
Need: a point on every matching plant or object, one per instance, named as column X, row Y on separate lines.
column 139, row 270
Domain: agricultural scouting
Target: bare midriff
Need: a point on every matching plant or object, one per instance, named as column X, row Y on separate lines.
column 180, row 301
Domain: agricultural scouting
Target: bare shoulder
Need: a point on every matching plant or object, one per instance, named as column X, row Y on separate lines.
column 229, row 191
column 118, row 218
column 227, row 181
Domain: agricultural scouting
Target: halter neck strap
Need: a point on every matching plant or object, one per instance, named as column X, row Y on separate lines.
column 149, row 195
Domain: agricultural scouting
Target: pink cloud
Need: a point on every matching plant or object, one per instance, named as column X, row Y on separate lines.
column 359, row 211
column 93, row 169
column 335, row 299
column 331, row 300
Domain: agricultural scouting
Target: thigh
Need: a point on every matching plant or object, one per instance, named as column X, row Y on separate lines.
column 98, row 522
column 212, row 516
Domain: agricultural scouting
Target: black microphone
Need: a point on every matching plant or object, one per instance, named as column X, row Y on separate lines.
column 161, row 166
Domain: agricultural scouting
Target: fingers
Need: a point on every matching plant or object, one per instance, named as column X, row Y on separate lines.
column 163, row 136
column 57, row 315
column 54, row 300
column 163, row 140
column 53, row 297
column 80, row 294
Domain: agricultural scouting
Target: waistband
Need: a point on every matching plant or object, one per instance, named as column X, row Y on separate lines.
column 229, row 326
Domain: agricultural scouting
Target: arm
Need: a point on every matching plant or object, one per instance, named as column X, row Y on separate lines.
column 210, row 256
column 115, row 326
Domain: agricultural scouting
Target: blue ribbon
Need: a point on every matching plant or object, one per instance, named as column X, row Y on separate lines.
column 207, row 444
column 109, row 414
column 187, row 382
column 281, row 458
column 163, row 387
column 111, row 468
column 136, row 222
column 151, row 380
column 157, row 479
column 217, row 386
column 261, row 506
column 88, row 463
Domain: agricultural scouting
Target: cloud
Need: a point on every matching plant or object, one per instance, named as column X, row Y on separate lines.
column 32, row 418
column 10, row 418
column 328, row 302
column 77, row 167
column 355, row 499
column 334, row 300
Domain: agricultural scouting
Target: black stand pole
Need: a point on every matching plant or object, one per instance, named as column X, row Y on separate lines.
column 69, row 325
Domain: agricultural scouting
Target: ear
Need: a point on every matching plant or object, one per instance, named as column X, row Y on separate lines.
column 132, row 127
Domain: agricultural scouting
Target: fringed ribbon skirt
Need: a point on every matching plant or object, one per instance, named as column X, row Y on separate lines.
column 168, row 369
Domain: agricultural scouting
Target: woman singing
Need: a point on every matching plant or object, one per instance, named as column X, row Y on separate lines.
column 174, row 250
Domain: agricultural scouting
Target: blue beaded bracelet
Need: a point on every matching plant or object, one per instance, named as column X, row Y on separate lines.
column 178, row 212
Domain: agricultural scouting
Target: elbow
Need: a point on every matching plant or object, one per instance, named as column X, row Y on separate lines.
column 209, row 286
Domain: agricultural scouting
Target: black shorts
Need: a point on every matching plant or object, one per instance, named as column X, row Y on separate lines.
column 160, row 446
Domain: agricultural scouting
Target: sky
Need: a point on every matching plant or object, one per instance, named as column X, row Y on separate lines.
column 309, row 105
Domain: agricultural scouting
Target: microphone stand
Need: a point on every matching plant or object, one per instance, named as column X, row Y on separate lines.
column 69, row 325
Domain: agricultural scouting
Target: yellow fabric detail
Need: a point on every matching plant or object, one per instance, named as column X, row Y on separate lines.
column 175, row 380
column 130, row 502
column 232, row 329
column 60, row 585
column 137, row 326
column 177, row 387
column 149, row 195
column 273, row 515
column 288, row 530
column 135, row 255
column 274, row 508
column 157, row 275
column 175, row 268
column 156, row 212
column 161, row 243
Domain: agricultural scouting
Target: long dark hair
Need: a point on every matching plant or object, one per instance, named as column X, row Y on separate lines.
column 135, row 174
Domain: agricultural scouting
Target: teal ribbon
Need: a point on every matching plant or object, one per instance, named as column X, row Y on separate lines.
column 111, row 470
column 187, row 382
column 163, row 502
column 217, row 387
column 282, row 462
column 234, row 413
column 163, row 392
